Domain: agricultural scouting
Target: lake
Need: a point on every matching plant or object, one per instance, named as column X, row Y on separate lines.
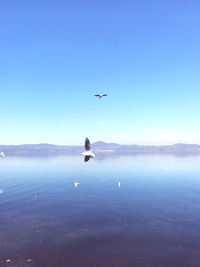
column 150, row 218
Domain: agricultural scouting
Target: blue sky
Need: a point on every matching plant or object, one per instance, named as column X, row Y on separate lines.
column 55, row 55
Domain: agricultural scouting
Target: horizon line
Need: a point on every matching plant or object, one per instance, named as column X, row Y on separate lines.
column 102, row 142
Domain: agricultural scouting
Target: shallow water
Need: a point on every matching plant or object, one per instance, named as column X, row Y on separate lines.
column 153, row 219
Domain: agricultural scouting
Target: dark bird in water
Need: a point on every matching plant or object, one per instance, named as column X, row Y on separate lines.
column 88, row 153
column 100, row 96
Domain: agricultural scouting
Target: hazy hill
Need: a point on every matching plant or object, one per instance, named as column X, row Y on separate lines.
column 99, row 148
column 105, row 146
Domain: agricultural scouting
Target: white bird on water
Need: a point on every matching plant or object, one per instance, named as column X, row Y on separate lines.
column 119, row 184
column 2, row 154
column 76, row 184
column 1, row 190
column 88, row 153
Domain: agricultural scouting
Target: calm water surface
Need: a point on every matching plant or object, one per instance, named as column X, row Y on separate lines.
column 153, row 219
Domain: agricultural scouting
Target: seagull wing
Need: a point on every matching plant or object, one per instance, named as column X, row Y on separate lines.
column 104, row 95
column 96, row 95
column 87, row 144
column 86, row 158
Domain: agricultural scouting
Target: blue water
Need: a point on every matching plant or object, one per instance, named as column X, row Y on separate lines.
column 153, row 219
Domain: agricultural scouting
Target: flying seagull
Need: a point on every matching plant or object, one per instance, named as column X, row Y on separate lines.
column 88, row 153
column 2, row 154
column 100, row 96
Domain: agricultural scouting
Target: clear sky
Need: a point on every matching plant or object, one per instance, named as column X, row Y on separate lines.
column 55, row 55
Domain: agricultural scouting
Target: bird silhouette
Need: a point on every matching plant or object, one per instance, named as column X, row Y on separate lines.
column 100, row 96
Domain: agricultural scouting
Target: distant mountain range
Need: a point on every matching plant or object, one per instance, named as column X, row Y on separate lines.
column 99, row 148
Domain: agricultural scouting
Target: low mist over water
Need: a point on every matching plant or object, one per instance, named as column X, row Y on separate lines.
column 125, row 211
